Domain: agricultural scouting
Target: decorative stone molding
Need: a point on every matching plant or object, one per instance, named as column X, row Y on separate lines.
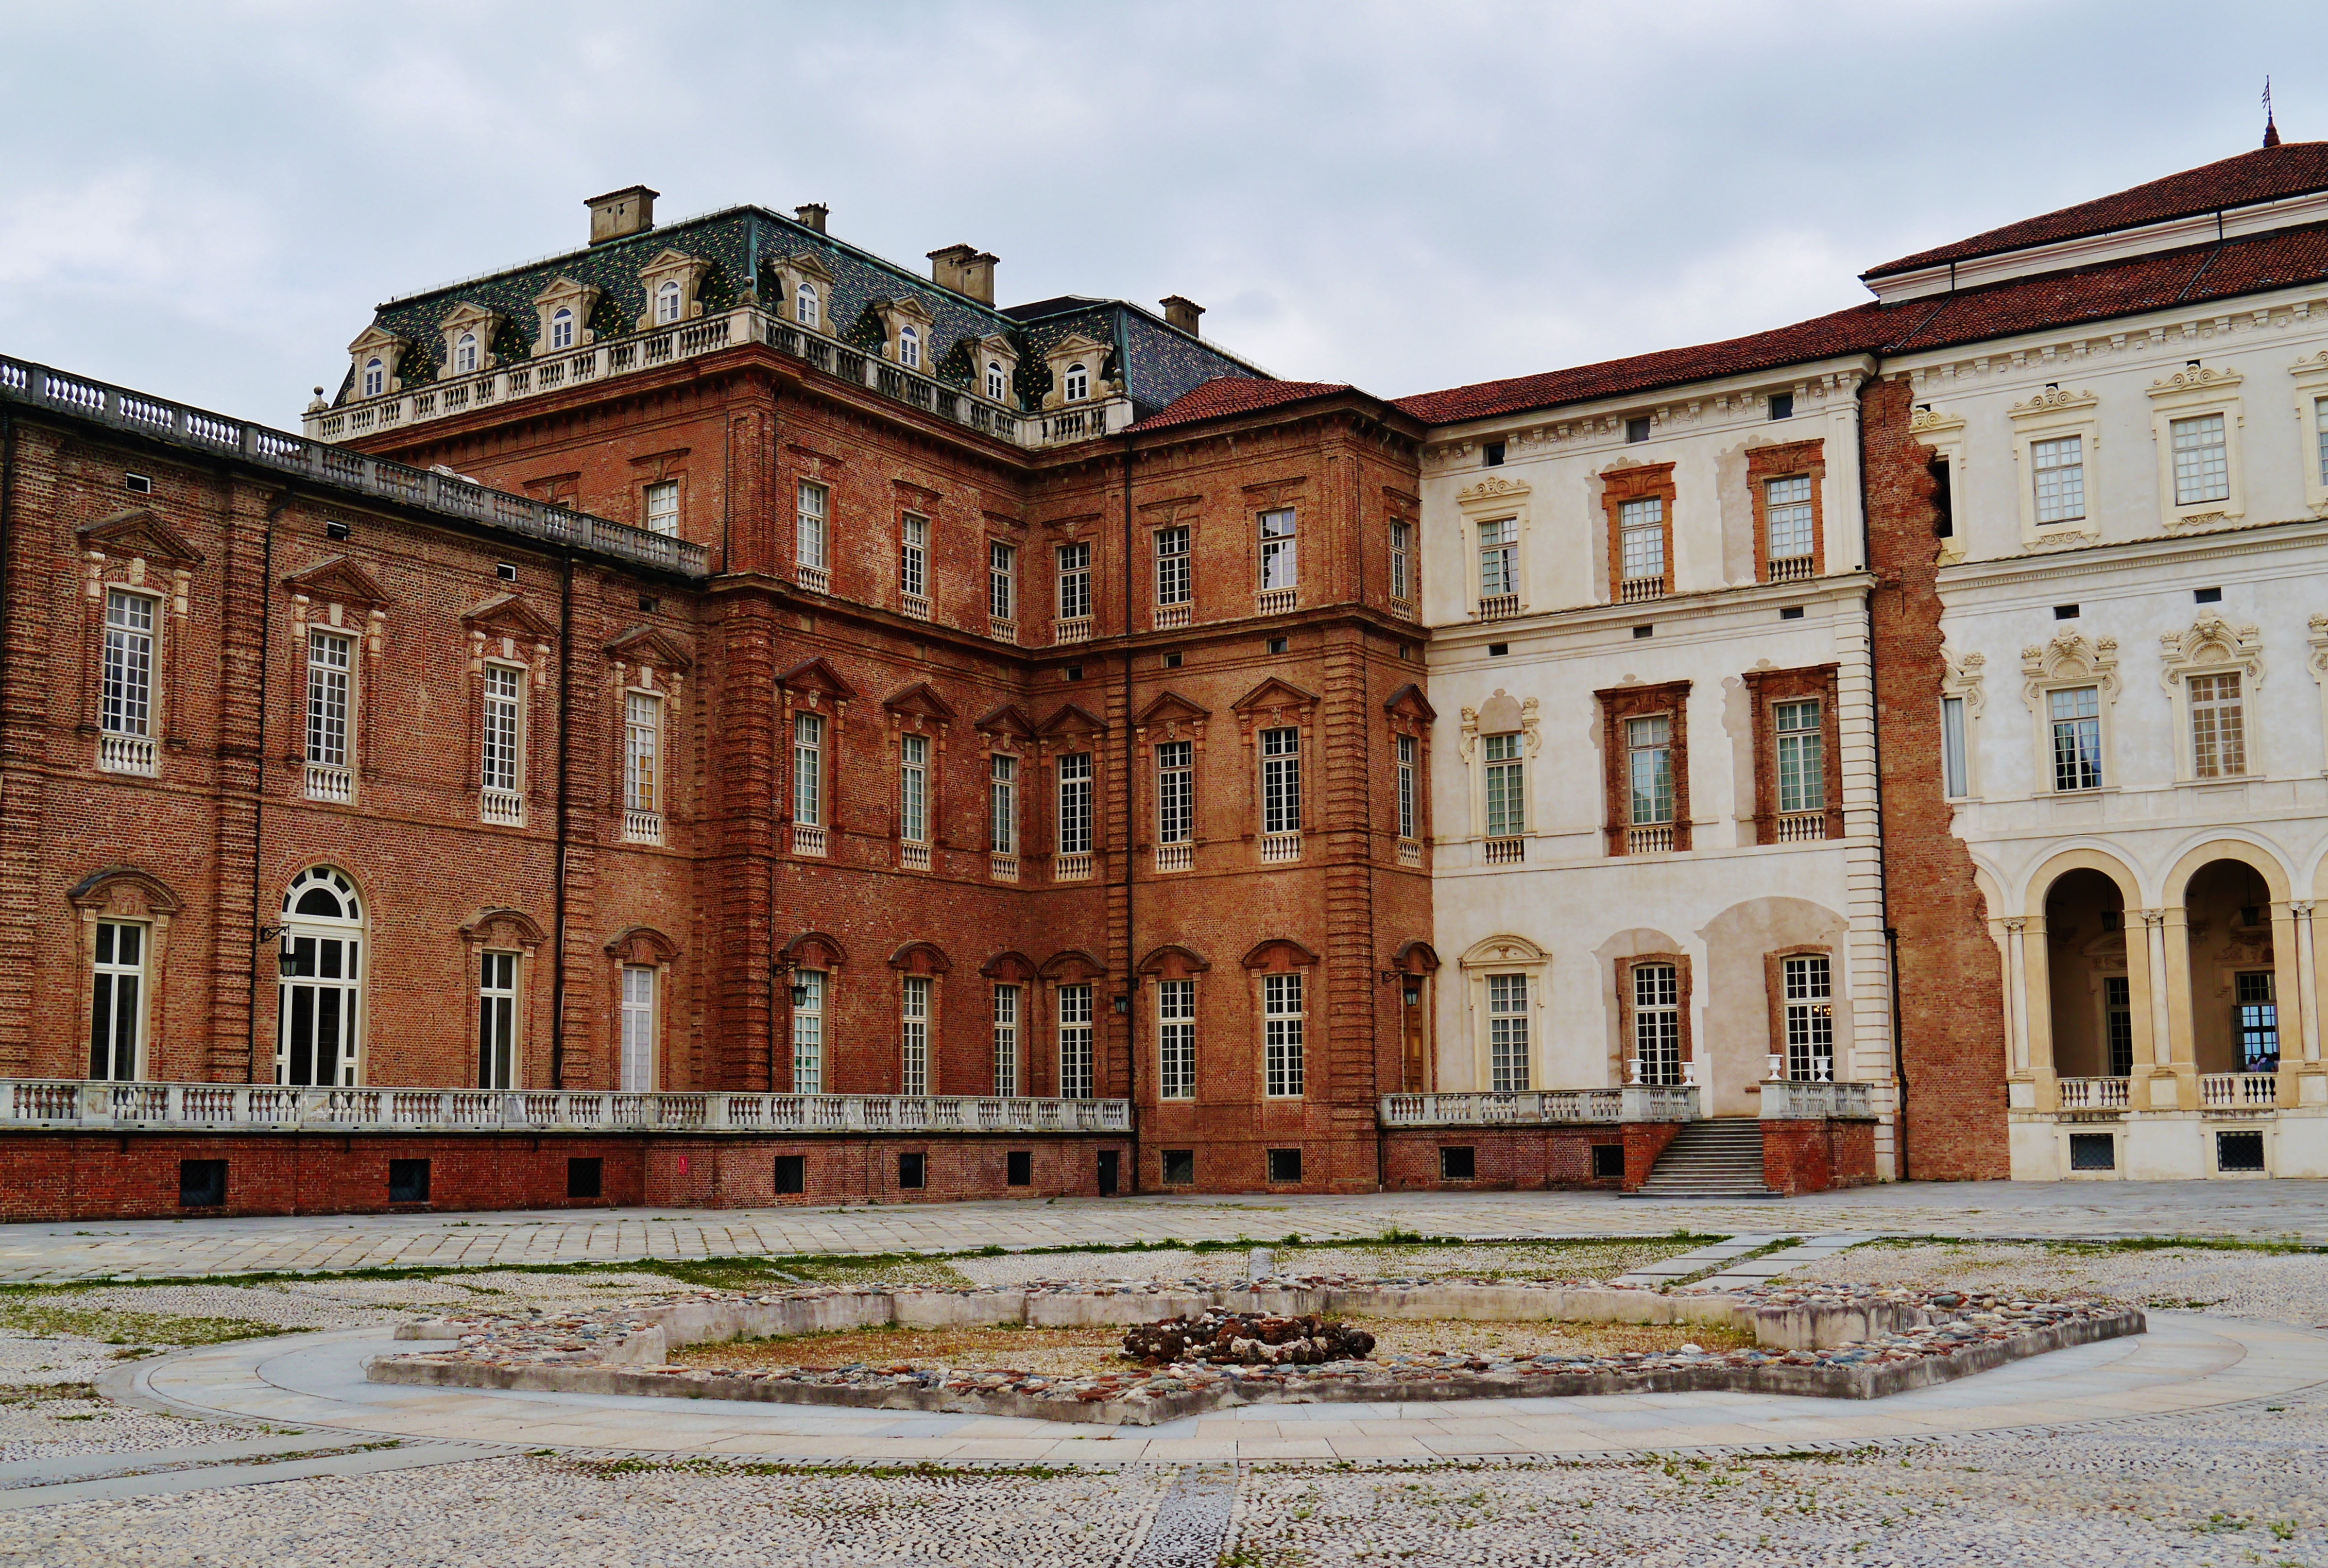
column 467, row 319
column 2210, row 644
column 2069, row 659
column 376, row 343
column 2053, row 415
column 790, row 275
column 1062, row 356
column 672, row 266
column 2054, row 401
column 896, row 315
column 564, row 294
column 1963, row 678
column 2197, row 390
column 2310, row 378
column 997, row 350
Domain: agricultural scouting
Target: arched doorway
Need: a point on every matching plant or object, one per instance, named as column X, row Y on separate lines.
column 319, row 1014
column 2234, row 990
column 2091, row 995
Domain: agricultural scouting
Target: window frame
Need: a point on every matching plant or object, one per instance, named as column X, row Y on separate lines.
column 511, row 701
column 914, row 803
column 2054, row 719
column 998, row 384
column 1175, row 1039
column 809, row 755
column 1006, row 1009
column 1794, row 462
column 642, row 765
column 916, row 1011
column 1503, row 785
column 2215, row 707
column 670, row 303
column 1176, row 792
column 1631, row 971
column 914, row 555
column 1279, row 794
column 1073, row 561
column 1507, row 1075
column 1621, row 705
column 909, row 347
column 1175, row 580
column 1406, row 751
column 318, row 734
column 1769, row 692
column 1504, row 551
column 148, row 638
column 636, row 1026
column 1624, row 487
column 807, row 1031
column 499, row 1017
column 1283, row 1033
column 1401, row 542
column 1277, row 560
column 651, row 511
column 2197, row 391
column 1002, row 786
column 2053, row 414
column 1074, row 824
column 1786, row 1008
column 1001, row 580
column 1075, row 1011
column 561, row 328
column 812, row 525
column 1075, row 384
column 108, row 975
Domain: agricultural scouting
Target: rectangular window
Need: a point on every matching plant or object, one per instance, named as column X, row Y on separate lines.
column 1641, row 538
column 914, row 1021
column 2060, row 478
column 1074, row 582
column 1282, row 1018
column 1006, row 1041
column 1507, row 787
column 1171, row 565
column 2255, row 1022
column 1175, row 1039
column 1499, row 549
column 1787, row 516
column 2219, row 746
column 789, row 1174
column 1001, row 580
column 641, row 751
column 638, row 1028
column 808, row 1031
column 1281, row 781
column 504, row 699
column 1808, row 985
column 2118, row 1019
column 809, row 549
column 914, row 788
column 1648, row 748
column 1406, row 754
column 2320, row 421
column 2202, row 472
column 808, row 769
column 1076, row 804
column 663, row 507
column 1507, row 1033
column 1402, row 571
column 1176, row 795
column 328, row 662
column 913, row 1170
column 1075, row 1042
column 1002, row 804
column 913, row 555
column 1802, row 757
column 1656, row 1023
column 126, row 703
column 497, row 1021
column 2077, row 738
column 1279, row 568
column 1956, row 776
column 116, row 1011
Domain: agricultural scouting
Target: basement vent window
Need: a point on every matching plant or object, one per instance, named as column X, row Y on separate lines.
column 408, row 1181
column 2093, row 1151
column 506, row 571
column 201, row 1183
column 1782, row 405
column 138, row 485
column 1458, row 1164
column 586, row 1178
column 1075, row 671
column 1498, row 649
column 1179, row 1168
column 649, row 603
column 1637, row 430
column 913, row 1171
column 2206, row 595
column 1645, row 631
column 1791, row 612
column 1608, row 1162
column 2238, row 1151
column 1285, row 1165
column 1492, row 455
column 1172, row 661
column 1019, row 1168
column 792, row 1174
column 2065, row 612
column 335, row 529
column 1277, row 644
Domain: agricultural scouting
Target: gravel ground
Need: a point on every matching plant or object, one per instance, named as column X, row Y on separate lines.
column 1533, row 1260
column 2283, row 1288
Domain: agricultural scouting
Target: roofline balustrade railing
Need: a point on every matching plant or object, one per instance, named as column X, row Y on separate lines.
column 1542, row 1107
column 320, row 463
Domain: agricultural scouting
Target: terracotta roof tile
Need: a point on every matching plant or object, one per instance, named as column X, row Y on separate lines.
column 1228, row 395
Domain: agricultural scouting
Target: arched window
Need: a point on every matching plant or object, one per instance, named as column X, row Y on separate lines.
column 465, row 353
column 375, row 378
column 321, row 980
column 804, row 305
column 909, row 348
column 667, row 303
column 998, row 386
column 1078, row 383
column 561, row 328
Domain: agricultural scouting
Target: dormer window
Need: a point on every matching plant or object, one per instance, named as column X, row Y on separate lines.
column 806, row 306
column 667, row 303
column 375, row 378
column 909, row 348
column 465, row 355
column 561, row 328
column 1078, row 383
column 997, row 385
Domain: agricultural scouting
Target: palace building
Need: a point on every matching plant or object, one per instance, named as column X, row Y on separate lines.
column 716, row 717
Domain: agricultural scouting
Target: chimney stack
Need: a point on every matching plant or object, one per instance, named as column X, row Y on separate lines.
column 1182, row 313
column 964, row 269
column 813, row 216
column 619, row 214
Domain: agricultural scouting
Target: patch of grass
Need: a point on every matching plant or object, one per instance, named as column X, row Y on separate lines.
column 52, row 1318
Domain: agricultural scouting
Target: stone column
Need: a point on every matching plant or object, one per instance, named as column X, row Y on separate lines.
column 2183, row 1060
column 2016, row 1013
column 2310, row 1086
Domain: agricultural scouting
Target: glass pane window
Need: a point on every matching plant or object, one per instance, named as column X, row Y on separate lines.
column 1176, row 794
column 997, row 385
column 1499, row 546
column 1279, row 566
column 2219, row 746
column 641, row 751
column 914, row 788
column 1076, row 804
column 914, row 1030
column 914, row 555
column 2202, row 471
column 1075, row 1042
column 1006, row 1040
column 1956, row 774
column 663, row 507
column 1507, row 1033
column 1656, row 1022
column 329, row 658
column 1801, row 756
column 667, row 303
column 126, row 703
column 1171, row 565
column 375, row 378
column 1507, row 786
column 320, row 985
column 504, row 699
column 2076, row 721
column 1078, row 385
column 808, row 1031
column 116, row 1012
column 2320, row 425
column 1641, row 537
column 1002, row 805
column 1074, row 582
column 2118, row 1021
column 810, row 545
column 1648, row 746
column 909, row 348
column 1175, row 1039
column 497, row 1021
column 465, row 353
column 808, row 769
column 1786, row 515
column 561, row 328
column 807, row 308
column 1001, row 580
column 2255, row 1022
column 1808, row 984
column 2060, row 478
column 1407, row 782
column 1281, row 781
column 1402, row 571
column 638, row 1028
column 1282, row 1021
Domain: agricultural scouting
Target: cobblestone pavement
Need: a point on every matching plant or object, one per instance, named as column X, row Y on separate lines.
column 157, row 1248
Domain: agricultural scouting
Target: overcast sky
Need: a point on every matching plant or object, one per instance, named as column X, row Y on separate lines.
column 205, row 201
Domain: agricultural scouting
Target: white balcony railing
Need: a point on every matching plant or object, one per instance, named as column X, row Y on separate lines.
column 1655, row 838
column 1503, row 851
column 1499, row 606
column 914, row 605
column 1002, row 867
column 1000, row 630
column 807, row 839
column 1635, row 590
column 816, row 580
column 642, row 827
column 1793, row 568
column 1524, row 1108
column 327, row 783
column 68, row 1102
column 126, row 753
column 1175, row 857
column 1077, row 630
column 2239, row 1091
column 913, row 856
column 1409, row 851
column 1795, row 827
column 503, row 808
column 1273, row 601
column 1653, row 1074
column 1785, row 1099
column 1169, row 617
column 2094, row 1093
column 1071, row 867
column 1279, row 848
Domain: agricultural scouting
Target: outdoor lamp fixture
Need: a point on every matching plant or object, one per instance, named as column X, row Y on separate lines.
column 269, row 932
column 799, row 991
column 1123, row 1004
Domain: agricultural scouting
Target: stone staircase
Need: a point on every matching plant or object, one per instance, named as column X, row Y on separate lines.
column 1715, row 1158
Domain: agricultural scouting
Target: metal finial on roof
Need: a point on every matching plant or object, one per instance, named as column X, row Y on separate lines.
column 2270, row 130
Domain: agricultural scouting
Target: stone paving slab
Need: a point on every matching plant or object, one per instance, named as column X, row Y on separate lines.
column 210, row 1477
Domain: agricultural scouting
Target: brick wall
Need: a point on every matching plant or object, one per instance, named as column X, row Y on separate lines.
column 1815, row 1156
column 1504, row 1159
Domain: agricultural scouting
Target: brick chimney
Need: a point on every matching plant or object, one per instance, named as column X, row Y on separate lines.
column 964, row 269
column 813, row 216
column 619, row 214
column 1182, row 313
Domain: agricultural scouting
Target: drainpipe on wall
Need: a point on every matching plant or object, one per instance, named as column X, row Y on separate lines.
column 1130, row 814
column 557, row 917
column 1875, row 743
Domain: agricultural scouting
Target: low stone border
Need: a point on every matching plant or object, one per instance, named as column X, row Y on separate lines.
column 1834, row 1342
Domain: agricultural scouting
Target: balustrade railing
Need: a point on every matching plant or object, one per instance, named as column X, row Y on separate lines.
column 1002, row 867
column 1499, row 606
column 1171, row 617
column 807, row 839
column 1485, row 1109
column 1175, row 857
column 1276, row 849
column 1071, row 867
column 2094, row 1093
column 913, row 856
column 1794, row 1099
column 128, row 754
column 504, row 808
column 1409, row 851
column 2226, row 1091
column 816, row 580
column 1075, row 629
column 1793, row 568
column 1000, row 630
column 326, row 783
column 1503, row 851
column 1654, row 839
column 1275, row 601
column 1795, row 827
column 642, row 827
column 1635, row 590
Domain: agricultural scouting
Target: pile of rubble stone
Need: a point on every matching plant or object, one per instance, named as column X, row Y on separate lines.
column 1247, row 1339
